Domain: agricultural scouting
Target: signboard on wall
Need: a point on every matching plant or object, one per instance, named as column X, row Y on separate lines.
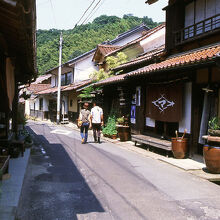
column 164, row 103
column 133, row 114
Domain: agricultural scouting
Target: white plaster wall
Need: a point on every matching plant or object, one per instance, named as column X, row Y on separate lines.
column 83, row 68
column 187, row 105
column 31, row 104
column 37, row 104
column 27, row 107
column 45, row 104
column 154, row 41
column 65, row 102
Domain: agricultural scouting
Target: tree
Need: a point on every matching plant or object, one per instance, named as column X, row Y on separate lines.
column 112, row 62
column 119, row 59
column 82, row 38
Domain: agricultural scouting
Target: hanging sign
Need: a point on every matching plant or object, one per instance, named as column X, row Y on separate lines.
column 164, row 103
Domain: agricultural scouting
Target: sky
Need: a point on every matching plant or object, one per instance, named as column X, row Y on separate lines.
column 64, row 14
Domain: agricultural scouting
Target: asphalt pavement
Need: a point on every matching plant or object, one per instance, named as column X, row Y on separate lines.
column 69, row 180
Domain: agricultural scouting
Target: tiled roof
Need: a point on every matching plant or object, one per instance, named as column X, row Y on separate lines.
column 35, row 88
column 148, row 33
column 110, row 80
column 77, row 85
column 141, row 27
column 42, row 78
column 49, row 91
column 147, row 56
column 181, row 60
column 104, row 49
column 107, row 48
column 66, row 88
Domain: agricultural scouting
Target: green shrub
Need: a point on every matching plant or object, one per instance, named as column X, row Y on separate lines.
column 110, row 128
column 121, row 120
column 214, row 123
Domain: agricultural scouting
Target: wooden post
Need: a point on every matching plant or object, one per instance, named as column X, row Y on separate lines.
column 15, row 111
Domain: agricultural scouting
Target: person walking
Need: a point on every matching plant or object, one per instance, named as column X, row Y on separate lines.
column 97, row 121
column 84, row 122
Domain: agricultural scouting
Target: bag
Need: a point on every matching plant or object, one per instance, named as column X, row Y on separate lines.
column 79, row 123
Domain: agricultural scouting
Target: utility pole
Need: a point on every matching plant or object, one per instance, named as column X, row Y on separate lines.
column 59, row 80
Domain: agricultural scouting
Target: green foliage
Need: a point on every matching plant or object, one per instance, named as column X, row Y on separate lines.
column 110, row 128
column 121, row 120
column 114, row 61
column 82, row 38
column 28, row 138
column 104, row 19
column 99, row 75
column 214, row 123
column 86, row 93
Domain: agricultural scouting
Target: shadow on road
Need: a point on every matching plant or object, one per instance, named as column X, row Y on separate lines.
column 53, row 187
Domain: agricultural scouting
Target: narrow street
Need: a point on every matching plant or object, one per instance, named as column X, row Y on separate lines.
column 67, row 180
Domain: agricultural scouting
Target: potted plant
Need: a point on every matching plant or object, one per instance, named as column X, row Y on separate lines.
column 124, row 132
column 121, row 120
column 110, row 129
column 211, row 150
column 28, row 141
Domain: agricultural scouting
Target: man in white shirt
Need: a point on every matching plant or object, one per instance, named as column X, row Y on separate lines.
column 97, row 121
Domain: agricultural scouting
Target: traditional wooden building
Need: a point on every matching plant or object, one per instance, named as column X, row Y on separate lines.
column 180, row 90
column 142, row 51
column 17, row 56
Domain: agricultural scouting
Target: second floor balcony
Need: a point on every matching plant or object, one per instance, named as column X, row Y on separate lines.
column 195, row 31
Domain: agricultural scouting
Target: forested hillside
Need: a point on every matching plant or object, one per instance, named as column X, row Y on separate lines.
column 82, row 38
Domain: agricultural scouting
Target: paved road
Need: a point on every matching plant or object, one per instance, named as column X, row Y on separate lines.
column 66, row 180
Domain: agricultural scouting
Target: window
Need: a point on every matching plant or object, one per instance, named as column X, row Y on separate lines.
column 41, row 104
column 68, row 78
column 63, row 83
column 71, row 103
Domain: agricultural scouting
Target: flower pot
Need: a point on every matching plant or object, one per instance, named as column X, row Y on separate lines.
column 14, row 152
column 114, row 136
column 179, row 147
column 211, row 155
column 124, row 132
column 28, row 144
column 213, row 132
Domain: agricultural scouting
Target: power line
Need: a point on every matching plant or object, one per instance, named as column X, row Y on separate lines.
column 95, row 11
column 53, row 13
column 91, row 11
column 85, row 12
